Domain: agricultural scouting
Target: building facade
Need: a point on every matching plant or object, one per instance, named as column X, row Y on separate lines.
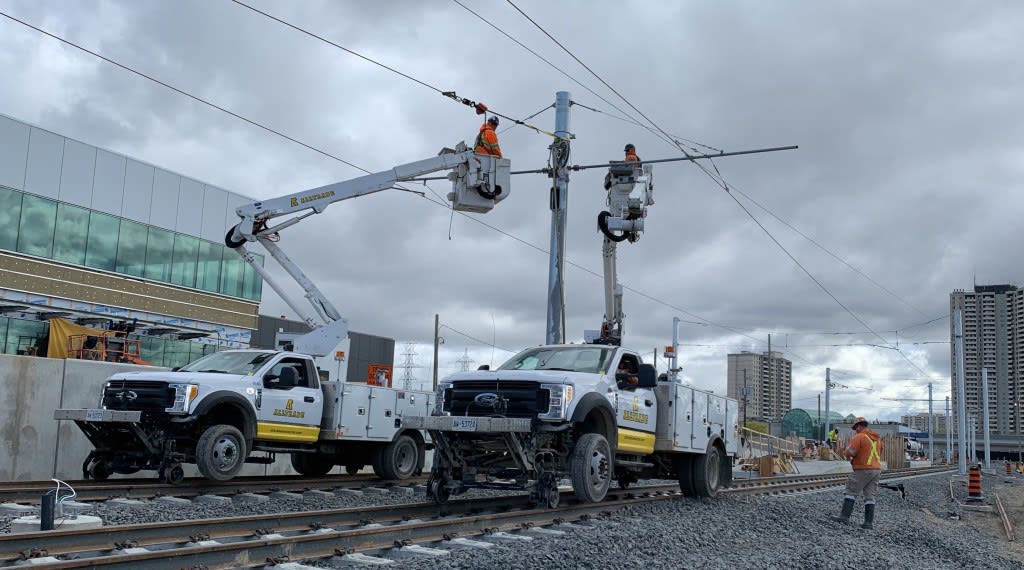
column 92, row 236
column 993, row 339
column 763, row 383
column 919, row 422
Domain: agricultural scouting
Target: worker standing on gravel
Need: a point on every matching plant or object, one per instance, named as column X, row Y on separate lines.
column 864, row 453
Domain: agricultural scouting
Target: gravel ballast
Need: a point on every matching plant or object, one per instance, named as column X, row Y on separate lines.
column 794, row 531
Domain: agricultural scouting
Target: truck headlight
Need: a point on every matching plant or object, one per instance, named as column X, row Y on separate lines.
column 184, row 394
column 559, row 398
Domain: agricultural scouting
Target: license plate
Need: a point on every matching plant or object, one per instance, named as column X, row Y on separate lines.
column 464, row 424
column 93, row 415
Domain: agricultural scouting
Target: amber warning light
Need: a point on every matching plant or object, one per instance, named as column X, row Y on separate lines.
column 339, row 355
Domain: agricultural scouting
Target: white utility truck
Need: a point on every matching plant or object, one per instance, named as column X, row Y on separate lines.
column 221, row 410
column 589, row 412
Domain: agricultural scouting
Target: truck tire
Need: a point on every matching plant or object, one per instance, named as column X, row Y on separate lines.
column 591, row 468
column 221, row 452
column 399, row 459
column 707, row 470
column 683, row 464
column 312, row 464
column 99, row 471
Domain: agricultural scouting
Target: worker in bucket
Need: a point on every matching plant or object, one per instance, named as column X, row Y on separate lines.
column 864, row 453
column 487, row 139
column 631, row 156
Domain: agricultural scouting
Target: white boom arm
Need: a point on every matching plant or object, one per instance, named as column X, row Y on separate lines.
column 478, row 183
column 625, row 215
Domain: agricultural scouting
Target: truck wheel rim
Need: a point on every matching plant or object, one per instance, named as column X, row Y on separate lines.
column 599, row 468
column 406, row 458
column 225, row 454
column 714, row 467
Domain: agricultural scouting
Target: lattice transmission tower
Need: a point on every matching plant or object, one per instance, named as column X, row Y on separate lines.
column 408, row 365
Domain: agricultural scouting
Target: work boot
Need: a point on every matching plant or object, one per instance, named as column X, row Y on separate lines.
column 844, row 517
column 869, row 517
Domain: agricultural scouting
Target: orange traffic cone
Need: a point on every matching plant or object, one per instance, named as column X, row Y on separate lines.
column 974, row 484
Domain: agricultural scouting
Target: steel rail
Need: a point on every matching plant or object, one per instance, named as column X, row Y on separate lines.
column 248, row 540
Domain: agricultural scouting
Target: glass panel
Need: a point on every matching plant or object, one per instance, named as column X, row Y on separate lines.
column 152, row 349
column 131, row 248
column 183, row 268
column 35, row 233
column 10, row 217
column 101, row 248
column 253, row 281
column 208, row 275
column 158, row 254
column 231, row 280
column 23, row 336
column 69, row 242
column 3, row 334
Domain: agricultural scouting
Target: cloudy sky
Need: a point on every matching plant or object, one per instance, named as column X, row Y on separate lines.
column 905, row 185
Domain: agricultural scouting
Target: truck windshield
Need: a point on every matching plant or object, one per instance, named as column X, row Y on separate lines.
column 229, row 362
column 585, row 358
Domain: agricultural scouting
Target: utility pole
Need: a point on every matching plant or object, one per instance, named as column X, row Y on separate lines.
column 437, row 344
column 961, row 404
column 931, row 419
column 828, row 389
column 559, row 206
column 673, row 371
column 984, row 417
column 819, row 415
column 949, row 434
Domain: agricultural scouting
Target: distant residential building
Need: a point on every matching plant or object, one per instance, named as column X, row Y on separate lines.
column 993, row 329
column 919, row 422
column 768, row 380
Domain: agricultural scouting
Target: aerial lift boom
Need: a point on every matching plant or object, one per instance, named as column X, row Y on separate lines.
column 478, row 183
column 624, row 220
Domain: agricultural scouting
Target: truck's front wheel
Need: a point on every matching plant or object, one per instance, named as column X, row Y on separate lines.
column 312, row 464
column 398, row 459
column 591, row 468
column 221, row 452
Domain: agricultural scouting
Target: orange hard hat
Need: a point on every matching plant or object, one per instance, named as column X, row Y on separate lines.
column 860, row 420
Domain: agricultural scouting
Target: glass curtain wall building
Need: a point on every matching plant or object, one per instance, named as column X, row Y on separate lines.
column 86, row 233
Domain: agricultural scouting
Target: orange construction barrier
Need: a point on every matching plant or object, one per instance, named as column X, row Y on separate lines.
column 974, row 484
column 1009, row 470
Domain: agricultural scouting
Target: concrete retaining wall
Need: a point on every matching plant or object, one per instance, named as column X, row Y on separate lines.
column 32, row 444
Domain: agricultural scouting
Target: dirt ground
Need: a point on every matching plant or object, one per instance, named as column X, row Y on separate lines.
column 1012, row 496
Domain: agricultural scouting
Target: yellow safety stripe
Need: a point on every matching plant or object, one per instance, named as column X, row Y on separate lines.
column 287, row 432
column 634, row 441
column 874, row 453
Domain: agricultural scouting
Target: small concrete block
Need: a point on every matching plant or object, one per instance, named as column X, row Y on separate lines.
column 315, row 494
column 411, row 521
column 419, row 489
column 120, row 502
column 366, row 559
column 510, row 536
column 545, row 531
column 250, row 498
column 212, row 500
column 31, row 524
column 15, row 509
column 402, row 490
column 472, row 543
column 417, row 550
column 204, row 543
column 134, row 550
column 77, row 506
column 271, row 536
column 285, row 495
column 173, row 501
column 348, row 493
column 375, row 491
column 40, row 560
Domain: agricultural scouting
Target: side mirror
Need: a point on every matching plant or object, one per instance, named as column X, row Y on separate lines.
column 271, row 380
column 175, row 369
column 484, row 367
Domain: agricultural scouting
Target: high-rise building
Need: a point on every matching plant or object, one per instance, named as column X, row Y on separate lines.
column 768, row 378
column 919, row 422
column 993, row 338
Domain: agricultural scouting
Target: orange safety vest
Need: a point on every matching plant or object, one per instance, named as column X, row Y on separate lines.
column 487, row 141
column 632, row 157
column 867, row 447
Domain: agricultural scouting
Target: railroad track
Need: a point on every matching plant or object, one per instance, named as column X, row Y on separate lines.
column 261, row 540
column 29, row 492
